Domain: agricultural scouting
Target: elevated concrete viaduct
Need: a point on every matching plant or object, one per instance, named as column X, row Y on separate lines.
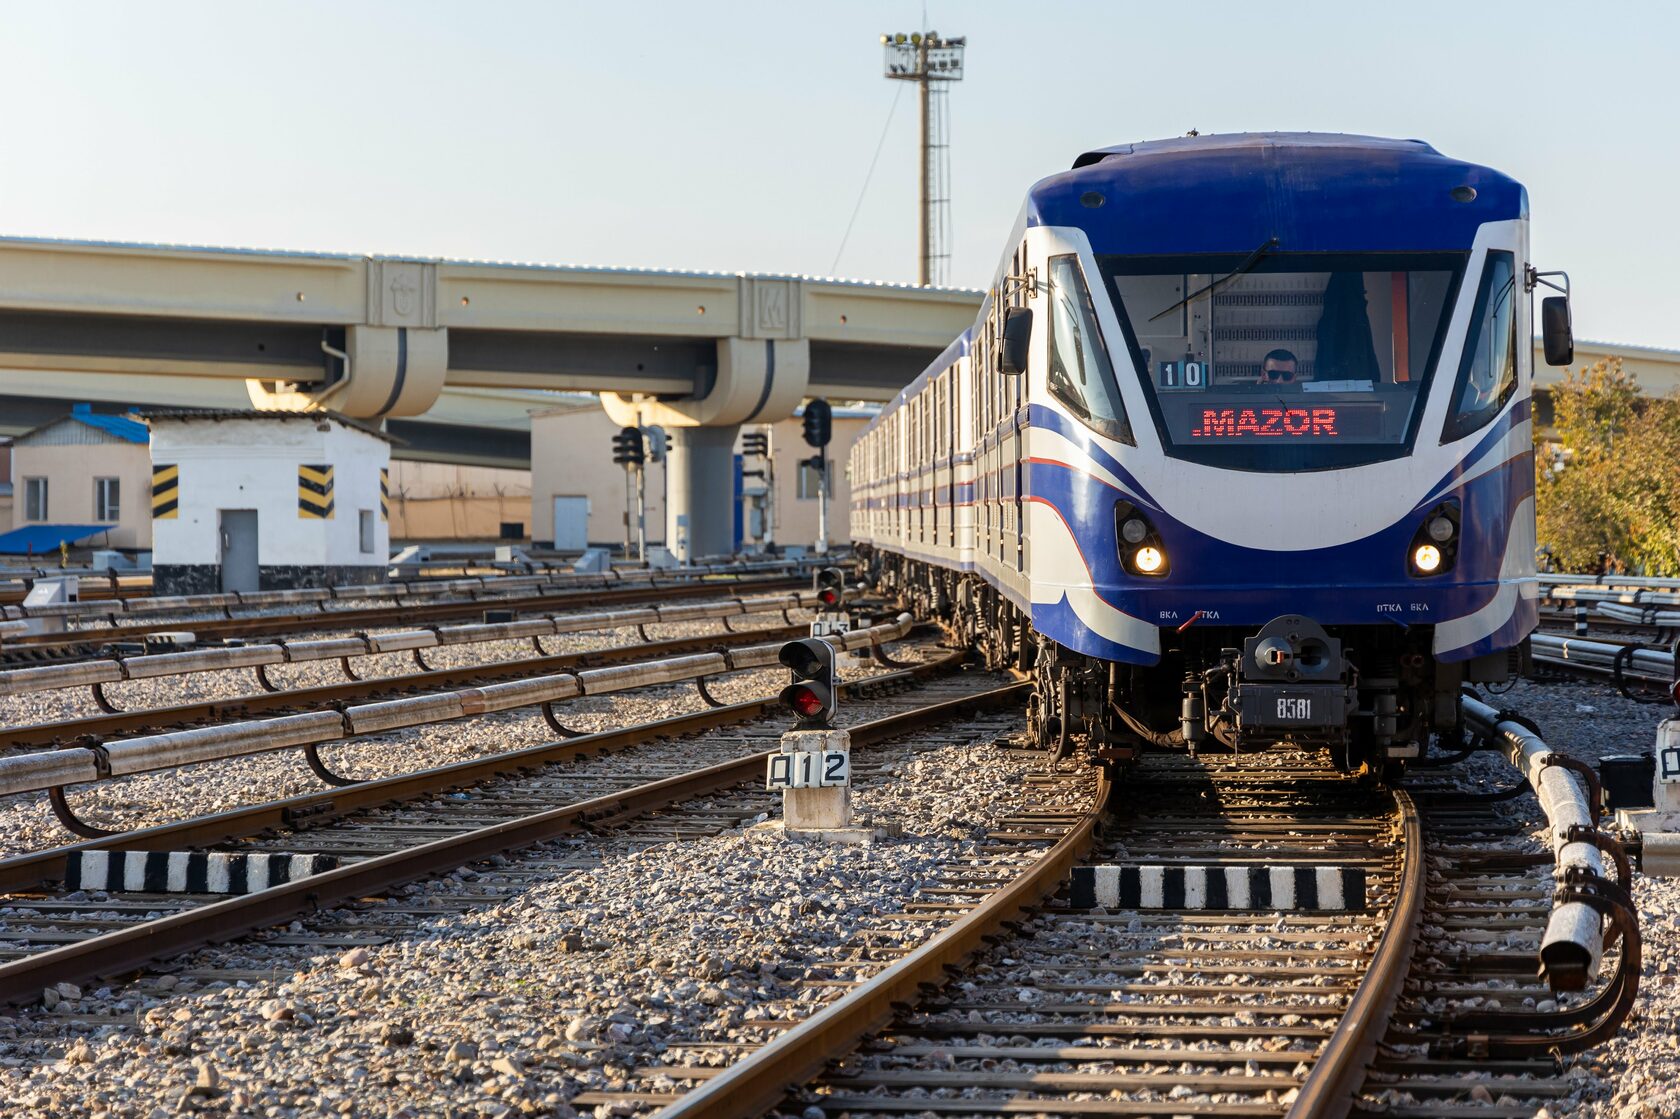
column 386, row 338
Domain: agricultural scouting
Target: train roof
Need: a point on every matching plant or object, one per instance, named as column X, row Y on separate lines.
column 1314, row 192
column 949, row 356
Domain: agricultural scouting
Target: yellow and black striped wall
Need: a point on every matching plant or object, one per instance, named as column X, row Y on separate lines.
column 385, row 493
column 166, row 491
column 315, row 492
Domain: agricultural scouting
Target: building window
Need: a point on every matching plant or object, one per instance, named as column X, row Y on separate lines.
column 34, row 499
column 808, row 481
column 366, row 523
column 107, row 494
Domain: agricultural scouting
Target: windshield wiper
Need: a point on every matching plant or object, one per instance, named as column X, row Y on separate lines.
column 1246, row 266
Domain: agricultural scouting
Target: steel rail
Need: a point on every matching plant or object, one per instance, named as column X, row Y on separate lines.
column 1331, row 1085
column 125, row 950
column 146, row 720
column 410, row 613
column 760, row 1080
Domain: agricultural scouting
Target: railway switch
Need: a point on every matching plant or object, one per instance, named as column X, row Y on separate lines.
column 1643, row 790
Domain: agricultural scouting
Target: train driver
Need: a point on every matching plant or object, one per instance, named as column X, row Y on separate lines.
column 1277, row 367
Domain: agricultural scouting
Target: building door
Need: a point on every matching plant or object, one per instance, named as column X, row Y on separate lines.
column 571, row 523
column 239, row 550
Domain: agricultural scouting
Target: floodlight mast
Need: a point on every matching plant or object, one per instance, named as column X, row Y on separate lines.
column 926, row 59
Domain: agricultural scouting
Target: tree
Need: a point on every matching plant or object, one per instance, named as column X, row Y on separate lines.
column 1609, row 491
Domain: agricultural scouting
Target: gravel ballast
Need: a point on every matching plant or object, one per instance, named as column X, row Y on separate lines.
column 594, row 957
column 608, row 952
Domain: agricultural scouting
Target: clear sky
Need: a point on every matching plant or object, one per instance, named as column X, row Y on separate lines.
column 736, row 136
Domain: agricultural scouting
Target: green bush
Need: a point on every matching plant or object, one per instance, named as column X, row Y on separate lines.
column 1608, row 491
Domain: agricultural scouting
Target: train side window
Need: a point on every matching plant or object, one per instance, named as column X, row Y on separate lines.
column 1081, row 376
column 1487, row 374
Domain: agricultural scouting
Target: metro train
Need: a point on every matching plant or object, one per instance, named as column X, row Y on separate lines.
column 1237, row 451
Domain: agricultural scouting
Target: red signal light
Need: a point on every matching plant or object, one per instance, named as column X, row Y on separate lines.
column 804, row 700
column 828, row 597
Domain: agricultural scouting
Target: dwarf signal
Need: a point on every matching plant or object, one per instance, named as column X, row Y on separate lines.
column 814, row 691
column 830, row 585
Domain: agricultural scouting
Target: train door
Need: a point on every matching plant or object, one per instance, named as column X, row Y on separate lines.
column 988, row 379
column 948, row 448
column 1017, row 389
column 941, row 459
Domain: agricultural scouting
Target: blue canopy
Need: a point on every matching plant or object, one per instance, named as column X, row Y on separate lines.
column 44, row 540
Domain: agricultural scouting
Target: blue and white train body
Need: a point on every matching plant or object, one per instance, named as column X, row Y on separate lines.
column 1238, row 448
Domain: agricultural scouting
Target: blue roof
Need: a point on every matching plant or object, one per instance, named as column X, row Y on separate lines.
column 1314, row 192
column 44, row 539
column 124, row 428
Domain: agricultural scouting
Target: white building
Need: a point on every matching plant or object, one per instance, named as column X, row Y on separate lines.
column 245, row 501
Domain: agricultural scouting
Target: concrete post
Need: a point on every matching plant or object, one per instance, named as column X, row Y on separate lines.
column 823, row 808
column 700, row 517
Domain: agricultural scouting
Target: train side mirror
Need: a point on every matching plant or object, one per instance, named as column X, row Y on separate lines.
column 1555, row 330
column 1017, row 332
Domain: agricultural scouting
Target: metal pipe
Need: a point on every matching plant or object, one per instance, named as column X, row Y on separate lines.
column 149, row 666
column 1556, row 579
column 37, row 772
column 168, row 604
column 1574, row 936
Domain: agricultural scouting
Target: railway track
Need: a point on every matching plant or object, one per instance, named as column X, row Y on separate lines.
column 1422, row 1002
column 1076, row 1011
column 390, row 832
column 209, row 712
column 1478, row 1034
column 992, row 993
column 87, row 641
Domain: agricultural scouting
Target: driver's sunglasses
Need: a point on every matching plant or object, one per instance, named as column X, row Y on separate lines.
column 1279, row 374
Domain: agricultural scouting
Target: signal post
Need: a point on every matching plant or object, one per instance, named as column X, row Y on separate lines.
column 819, row 429
column 630, row 453
column 813, row 769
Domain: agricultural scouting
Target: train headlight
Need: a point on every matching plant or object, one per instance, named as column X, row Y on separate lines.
column 1435, row 545
column 1149, row 559
column 1134, row 531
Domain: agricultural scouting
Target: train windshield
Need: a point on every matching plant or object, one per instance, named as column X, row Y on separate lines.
column 1285, row 362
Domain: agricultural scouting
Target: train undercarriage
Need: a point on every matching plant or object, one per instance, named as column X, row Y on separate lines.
column 1371, row 696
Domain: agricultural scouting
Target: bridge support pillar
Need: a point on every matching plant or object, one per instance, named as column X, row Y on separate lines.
column 758, row 380
column 700, row 513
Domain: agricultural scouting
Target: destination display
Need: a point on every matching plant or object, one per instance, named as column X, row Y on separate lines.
column 1201, row 420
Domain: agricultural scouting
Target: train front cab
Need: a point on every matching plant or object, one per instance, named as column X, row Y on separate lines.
column 1242, row 541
